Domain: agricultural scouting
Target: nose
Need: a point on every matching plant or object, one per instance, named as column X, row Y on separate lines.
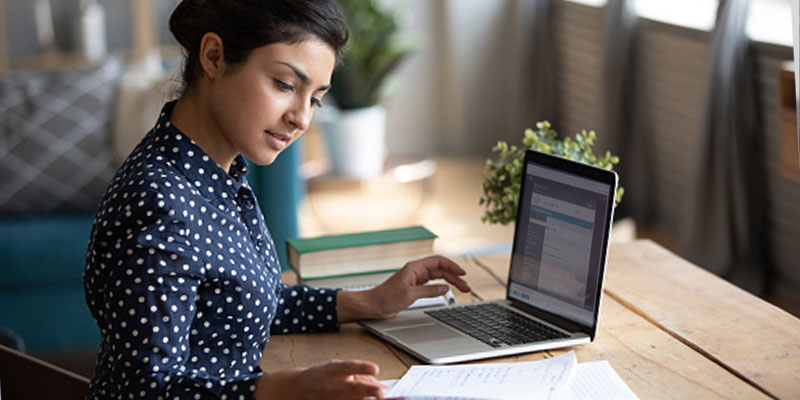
column 299, row 115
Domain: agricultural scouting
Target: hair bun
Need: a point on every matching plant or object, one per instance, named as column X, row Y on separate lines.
column 188, row 22
column 244, row 25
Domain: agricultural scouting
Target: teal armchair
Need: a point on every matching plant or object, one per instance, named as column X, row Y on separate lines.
column 43, row 257
column 279, row 189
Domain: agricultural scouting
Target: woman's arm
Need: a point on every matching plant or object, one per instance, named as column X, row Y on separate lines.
column 302, row 308
column 149, row 302
column 401, row 289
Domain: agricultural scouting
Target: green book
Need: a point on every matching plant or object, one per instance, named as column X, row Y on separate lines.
column 358, row 253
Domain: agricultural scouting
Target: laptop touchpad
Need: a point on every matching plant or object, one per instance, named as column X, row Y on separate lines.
column 423, row 333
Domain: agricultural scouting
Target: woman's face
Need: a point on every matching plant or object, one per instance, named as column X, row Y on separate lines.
column 266, row 103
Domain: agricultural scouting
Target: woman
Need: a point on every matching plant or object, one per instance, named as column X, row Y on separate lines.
column 182, row 276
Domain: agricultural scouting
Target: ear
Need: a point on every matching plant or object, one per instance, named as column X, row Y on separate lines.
column 212, row 55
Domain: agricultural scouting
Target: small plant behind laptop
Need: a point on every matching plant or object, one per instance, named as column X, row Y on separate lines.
column 501, row 186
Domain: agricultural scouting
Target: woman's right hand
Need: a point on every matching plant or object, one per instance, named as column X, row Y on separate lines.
column 334, row 380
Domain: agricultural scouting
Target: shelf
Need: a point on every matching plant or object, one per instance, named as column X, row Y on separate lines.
column 789, row 156
column 60, row 61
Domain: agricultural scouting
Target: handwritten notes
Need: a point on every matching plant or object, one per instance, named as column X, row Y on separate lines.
column 545, row 379
column 555, row 378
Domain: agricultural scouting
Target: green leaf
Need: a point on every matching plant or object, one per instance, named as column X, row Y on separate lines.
column 377, row 46
column 502, row 184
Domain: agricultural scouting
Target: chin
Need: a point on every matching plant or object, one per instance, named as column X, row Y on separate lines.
column 263, row 158
column 267, row 154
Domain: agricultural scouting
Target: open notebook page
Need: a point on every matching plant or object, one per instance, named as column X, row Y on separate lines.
column 545, row 379
column 597, row 380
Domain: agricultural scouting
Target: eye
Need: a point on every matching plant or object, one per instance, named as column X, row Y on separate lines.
column 283, row 85
column 316, row 102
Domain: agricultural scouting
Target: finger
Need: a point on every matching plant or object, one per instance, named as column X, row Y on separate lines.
column 352, row 367
column 449, row 265
column 439, row 262
column 363, row 387
column 436, row 266
column 461, row 284
column 428, row 291
column 432, row 267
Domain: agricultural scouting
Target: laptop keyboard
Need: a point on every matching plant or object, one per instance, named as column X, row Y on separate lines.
column 495, row 325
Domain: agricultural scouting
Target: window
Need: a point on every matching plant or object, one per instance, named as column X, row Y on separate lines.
column 697, row 14
column 770, row 21
column 593, row 3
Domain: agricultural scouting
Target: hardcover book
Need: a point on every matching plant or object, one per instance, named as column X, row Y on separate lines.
column 377, row 253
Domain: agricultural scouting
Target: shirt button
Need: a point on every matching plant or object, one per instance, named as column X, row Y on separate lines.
column 245, row 197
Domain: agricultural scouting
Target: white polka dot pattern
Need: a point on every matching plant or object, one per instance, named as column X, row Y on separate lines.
column 183, row 279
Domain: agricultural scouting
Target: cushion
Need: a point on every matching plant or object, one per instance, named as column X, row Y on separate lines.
column 43, row 251
column 50, row 318
column 55, row 154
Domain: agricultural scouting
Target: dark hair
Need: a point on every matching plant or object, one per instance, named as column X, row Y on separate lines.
column 245, row 25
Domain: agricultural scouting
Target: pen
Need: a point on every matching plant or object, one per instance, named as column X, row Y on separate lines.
column 449, row 297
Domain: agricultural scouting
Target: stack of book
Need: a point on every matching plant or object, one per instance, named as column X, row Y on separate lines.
column 357, row 260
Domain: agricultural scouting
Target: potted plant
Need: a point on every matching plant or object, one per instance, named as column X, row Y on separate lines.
column 501, row 186
column 355, row 132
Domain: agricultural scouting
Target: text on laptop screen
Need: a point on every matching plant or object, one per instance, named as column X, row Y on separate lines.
column 558, row 254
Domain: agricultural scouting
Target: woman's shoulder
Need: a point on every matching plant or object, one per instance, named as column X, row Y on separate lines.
column 148, row 167
column 148, row 179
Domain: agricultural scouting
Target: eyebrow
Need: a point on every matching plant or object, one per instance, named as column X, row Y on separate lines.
column 303, row 77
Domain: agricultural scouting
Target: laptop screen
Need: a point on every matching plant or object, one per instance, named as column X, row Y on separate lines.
column 559, row 247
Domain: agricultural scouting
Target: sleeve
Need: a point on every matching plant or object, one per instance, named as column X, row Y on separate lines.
column 302, row 308
column 150, row 305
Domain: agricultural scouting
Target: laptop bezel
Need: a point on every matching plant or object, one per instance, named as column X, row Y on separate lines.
column 585, row 171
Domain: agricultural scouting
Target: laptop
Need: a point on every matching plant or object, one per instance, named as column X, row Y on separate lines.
column 555, row 280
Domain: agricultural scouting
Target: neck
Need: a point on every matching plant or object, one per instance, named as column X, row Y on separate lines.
column 193, row 117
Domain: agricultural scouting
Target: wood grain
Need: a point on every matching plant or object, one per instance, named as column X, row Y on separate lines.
column 669, row 329
column 26, row 377
column 741, row 332
column 652, row 362
column 788, row 124
column 351, row 342
column 143, row 21
column 656, row 365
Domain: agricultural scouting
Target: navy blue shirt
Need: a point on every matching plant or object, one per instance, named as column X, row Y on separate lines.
column 183, row 279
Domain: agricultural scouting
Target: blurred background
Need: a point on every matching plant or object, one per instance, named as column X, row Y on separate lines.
column 696, row 97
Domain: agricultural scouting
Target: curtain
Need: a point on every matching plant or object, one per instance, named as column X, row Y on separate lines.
column 726, row 223
column 543, row 69
column 619, row 107
column 3, row 55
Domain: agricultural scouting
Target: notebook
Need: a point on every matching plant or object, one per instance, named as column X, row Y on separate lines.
column 555, row 280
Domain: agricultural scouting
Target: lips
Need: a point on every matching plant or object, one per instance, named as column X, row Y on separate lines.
column 281, row 136
column 279, row 141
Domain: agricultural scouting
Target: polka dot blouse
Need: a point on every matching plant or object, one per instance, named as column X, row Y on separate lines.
column 183, row 280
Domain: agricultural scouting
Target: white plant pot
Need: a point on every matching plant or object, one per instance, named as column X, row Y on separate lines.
column 355, row 142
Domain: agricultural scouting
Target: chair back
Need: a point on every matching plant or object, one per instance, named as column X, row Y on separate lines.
column 25, row 377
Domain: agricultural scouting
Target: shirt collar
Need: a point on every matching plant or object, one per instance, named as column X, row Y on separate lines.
column 194, row 163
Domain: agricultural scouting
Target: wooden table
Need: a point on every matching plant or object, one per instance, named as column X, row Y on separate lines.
column 669, row 329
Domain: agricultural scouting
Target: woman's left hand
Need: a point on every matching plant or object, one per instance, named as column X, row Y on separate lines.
column 401, row 289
